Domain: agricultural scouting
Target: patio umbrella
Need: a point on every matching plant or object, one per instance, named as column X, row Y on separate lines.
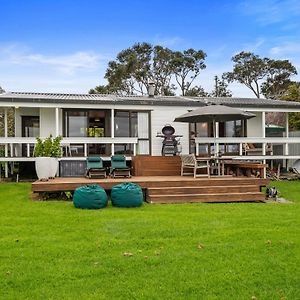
column 214, row 113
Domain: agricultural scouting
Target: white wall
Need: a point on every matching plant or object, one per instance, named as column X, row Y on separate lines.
column 160, row 116
column 47, row 122
column 23, row 111
column 254, row 126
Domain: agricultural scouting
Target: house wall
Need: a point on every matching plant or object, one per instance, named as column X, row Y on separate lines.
column 23, row 111
column 47, row 122
column 254, row 126
column 160, row 116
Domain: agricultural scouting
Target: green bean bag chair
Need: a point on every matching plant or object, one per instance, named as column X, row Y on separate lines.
column 127, row 194
column 90, row 196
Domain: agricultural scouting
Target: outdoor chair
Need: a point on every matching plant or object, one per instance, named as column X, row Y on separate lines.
column 190, row 165
column 119, row 167
column 94, row 167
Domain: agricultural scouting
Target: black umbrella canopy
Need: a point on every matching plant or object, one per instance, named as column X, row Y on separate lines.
column 216, row 113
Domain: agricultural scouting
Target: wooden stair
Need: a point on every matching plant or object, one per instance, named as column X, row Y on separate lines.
column 218, row 192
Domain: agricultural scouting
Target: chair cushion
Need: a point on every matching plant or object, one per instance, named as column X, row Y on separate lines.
column 93, row 159
column 118, row 158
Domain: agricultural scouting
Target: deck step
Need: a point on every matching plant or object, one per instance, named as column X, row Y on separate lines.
column 203, row 190
column 213, row 197
column 205, row 182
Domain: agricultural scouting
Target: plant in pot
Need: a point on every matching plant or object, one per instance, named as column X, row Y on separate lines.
column 47, row 153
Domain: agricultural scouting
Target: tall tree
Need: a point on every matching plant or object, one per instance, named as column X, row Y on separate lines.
column 162, row 71
column 261, row 75
column 1, row 90
column 196, row 91
column 220, row 88
column 293, row 94
column 248, row 69
column 187, row 66
column 101, row 89
column 278, row 78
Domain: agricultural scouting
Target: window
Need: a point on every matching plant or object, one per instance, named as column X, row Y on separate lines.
column 132, row 124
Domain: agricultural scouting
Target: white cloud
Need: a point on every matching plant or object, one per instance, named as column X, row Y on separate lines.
column 268, row 12
column 167, row 41
column 66, row 63
column 286, row 48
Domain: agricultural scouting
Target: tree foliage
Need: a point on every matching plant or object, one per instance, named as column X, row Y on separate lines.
column 134, row 67
column 197, row 91
column 186, row 66
column 261, row 75
column 293, row 94
column 278, row 78
column 220, row 88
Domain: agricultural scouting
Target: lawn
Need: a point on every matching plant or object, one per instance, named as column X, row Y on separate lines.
column 50, row 250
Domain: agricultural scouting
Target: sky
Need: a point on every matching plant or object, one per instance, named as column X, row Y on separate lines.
column 65, row 45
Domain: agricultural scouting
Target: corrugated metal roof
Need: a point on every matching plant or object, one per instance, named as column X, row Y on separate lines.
column 144, row 100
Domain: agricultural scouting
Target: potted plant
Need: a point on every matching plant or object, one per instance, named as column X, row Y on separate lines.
column 47, row 153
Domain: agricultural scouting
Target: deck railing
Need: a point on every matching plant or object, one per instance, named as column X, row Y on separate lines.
column 22, row 147
column 264, row 151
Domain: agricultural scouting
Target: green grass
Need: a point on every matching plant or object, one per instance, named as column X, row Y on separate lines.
column 50, row 250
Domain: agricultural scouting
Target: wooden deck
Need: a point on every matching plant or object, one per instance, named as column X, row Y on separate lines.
column 171, row 189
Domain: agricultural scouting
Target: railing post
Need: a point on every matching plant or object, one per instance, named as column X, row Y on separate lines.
column 11, row 149
column 287, row 132
column 241, row 149
column 56, row 121
column 112, row 130
column 264, row 145
column 28, row 150
column 5, row 131
column 134, row 149
column 85, row 150
column 263, row 124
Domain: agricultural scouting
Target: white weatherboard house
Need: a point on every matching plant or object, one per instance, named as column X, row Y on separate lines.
column 107, row 124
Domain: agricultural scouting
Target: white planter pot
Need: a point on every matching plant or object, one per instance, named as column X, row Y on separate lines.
column 42, row 167
column 53, row 167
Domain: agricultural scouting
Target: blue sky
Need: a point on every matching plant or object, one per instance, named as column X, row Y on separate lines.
column 64, row 46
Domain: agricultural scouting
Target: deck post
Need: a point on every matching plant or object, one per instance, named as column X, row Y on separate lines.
column 56, row 121
column 287, row 132
column 6, row 135
column 112, row 130
column 217, row 138
column 263, row 124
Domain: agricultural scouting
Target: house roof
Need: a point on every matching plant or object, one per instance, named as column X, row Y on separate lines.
column 144, row 100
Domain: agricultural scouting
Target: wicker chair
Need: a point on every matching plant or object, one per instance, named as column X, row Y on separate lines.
column 191, row 163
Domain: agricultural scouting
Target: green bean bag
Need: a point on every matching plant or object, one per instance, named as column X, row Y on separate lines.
column 90, row 196
column 127, row 194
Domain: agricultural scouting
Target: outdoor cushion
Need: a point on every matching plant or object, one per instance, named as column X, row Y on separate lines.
column 90, row 196
column 93, row 158
column 127, row 194
column 118, row 157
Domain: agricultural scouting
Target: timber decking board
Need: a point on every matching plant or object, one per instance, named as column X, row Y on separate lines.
column 203, row 190
column 70, row 184
column 195, row 198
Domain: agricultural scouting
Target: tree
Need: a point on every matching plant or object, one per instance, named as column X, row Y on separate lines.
column 186, row 66
column 162, row 71
column 248, row 69
column 196, row 91
column 101, row 89
column 1, row 90
column 278, row 78
column 220, row 88
column 293, row 94
column 135, row 67
column 261, row 75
